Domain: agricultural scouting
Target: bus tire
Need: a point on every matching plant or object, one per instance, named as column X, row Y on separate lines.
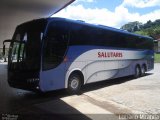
column 143, row 70
column 74, row 83
column 137, row 72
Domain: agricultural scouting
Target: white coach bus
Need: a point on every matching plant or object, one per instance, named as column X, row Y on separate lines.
column 56, row 53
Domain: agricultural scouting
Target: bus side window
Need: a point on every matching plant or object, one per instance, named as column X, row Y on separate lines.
column 55, row 45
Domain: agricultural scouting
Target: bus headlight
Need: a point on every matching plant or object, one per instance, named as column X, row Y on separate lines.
column 37, row 87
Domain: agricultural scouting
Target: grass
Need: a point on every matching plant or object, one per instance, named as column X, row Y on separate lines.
column 157, row 58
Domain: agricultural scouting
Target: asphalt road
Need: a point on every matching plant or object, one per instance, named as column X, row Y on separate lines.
column 101, row 100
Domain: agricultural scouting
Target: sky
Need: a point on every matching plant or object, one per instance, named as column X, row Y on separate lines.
column 113, row 13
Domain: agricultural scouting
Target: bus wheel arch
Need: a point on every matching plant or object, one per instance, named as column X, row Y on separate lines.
column 75, row 81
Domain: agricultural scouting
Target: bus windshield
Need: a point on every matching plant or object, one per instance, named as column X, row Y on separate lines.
column 25, row 52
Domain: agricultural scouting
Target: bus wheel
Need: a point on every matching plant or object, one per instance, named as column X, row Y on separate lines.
column 137, row 72
column 143, row 70
column 74, row 84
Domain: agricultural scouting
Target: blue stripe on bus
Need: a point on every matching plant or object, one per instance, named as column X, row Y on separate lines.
column 82, row 49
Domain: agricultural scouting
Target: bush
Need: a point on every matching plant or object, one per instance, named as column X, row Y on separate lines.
column 157, row 58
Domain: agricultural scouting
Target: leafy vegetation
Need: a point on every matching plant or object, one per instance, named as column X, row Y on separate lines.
column 148, row 29
column 152, row 31
column 157, row 58
column 132, row 26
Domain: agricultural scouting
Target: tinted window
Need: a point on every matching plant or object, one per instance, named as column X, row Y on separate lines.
column 55, row 44
column 25, row 54
column 82, row 34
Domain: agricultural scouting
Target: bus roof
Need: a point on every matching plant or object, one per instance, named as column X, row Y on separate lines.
column 101, row 26
column 92, row 25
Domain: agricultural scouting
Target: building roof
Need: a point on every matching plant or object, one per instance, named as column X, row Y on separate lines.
column 14, row 12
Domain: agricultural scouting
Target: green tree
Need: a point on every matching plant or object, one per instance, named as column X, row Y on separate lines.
column 132, row 26
column 148, row 29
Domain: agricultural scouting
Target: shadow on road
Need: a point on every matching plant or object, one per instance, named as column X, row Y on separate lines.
column 48, row 106
column 107, row 83
column 29, row 105
column 32, row 106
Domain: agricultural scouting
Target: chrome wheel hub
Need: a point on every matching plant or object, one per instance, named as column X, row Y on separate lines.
column 74, row 83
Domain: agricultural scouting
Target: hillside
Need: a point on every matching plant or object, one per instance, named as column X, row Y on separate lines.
column 148, row 29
